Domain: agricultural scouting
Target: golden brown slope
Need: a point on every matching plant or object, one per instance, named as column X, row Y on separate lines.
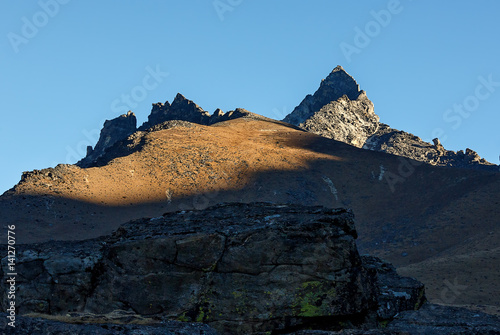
column 429, row 213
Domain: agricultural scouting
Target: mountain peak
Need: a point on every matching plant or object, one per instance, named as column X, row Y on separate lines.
column 179, row 98
column 337, row 85
column 341, row 111
column 338, row 68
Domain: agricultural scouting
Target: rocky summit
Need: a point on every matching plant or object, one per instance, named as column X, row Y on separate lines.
column 181, row 110
column 234, row 223
column 337, row 110
column 341, row 111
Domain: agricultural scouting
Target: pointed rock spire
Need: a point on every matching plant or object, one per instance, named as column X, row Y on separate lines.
column 337, row 84
column 113, row 131
column 180, row 109
column 337, row 110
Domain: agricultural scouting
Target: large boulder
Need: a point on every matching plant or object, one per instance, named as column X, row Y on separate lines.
column 241, row 268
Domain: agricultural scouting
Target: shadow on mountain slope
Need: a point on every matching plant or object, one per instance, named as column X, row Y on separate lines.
column 406, row 212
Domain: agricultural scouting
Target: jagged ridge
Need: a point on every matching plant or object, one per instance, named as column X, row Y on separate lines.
column 339, row 110
column 181, row 109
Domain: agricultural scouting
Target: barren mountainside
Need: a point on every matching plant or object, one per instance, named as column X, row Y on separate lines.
column 432, row 213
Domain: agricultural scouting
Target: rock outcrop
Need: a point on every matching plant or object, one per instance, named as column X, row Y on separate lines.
column 181, row 110
column 345, row 120
column 113, row 131
column 240, row 268
column 339, row 110
column 400, row 143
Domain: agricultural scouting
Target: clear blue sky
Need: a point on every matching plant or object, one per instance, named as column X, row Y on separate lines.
column 65, row 69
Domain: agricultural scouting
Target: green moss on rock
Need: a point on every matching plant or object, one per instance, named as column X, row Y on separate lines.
column 314, row 299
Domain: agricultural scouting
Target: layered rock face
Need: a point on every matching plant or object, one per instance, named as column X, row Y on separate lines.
column 345, row 120
column 339, row 110
column 241, row 268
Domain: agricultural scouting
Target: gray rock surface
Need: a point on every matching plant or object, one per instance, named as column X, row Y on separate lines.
column 39, row 326
column 345, row 120
column 396, row 293
column 336, row 85
column 337, row 110
column 113, row 131
column 241, row 268
column 180, row 109
column 400, row 143
column 430, row 319
column 183, row 109
column 340, row 111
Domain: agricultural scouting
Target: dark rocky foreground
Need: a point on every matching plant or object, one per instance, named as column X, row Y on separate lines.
column 35, row 326
column 237, row 268
column 429, row 319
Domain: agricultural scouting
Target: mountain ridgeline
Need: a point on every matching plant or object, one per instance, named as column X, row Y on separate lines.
column 338, row 110
column 235, row 223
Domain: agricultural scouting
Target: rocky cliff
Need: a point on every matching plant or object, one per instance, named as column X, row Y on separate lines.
column 339, row 110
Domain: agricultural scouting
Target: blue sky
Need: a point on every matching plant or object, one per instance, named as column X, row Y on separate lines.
column 431, row 68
